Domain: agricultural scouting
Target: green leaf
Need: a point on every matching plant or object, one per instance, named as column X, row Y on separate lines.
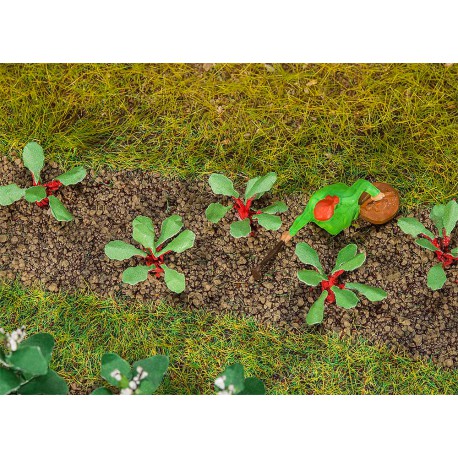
column 51, row 383
column 316, row 311
column 222, row 185
column 310, row 277
column 437, row 217
column 276, row 207
column 112, row 362
column 58, row 209
column 137, row 274
column 9, row 381
column 425, row 243
column 34, row 159
column 253, row 386
column 241, row 228
column 354, row 263
column 174, row 280
column 73, row 176
column 413, row 227
column 345, row 298
column 450, row 217
column 170, row 227
column 35, row 194
column 143, row 232
column 102, row 391
column 215, row 212
column 156, row 367
column 180, row 243
column 308, row 255
column 345, row 254
column 371, row 292
column 29, row 360
column 44, row 341
column 260, row 185
column 143, row 220
column 269, row 222
column 120, row 251
column 436, row 277
column 232, row 375
column 454, row 252
column 10, row 193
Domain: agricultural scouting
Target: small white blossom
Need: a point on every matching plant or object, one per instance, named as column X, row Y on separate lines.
column 127, row 391
column 116, row 374
column 14, row 338
column 220, row 382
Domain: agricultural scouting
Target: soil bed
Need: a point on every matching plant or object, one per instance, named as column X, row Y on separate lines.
column 69, row 256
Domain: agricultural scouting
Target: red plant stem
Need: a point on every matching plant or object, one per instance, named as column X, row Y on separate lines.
column 244, row 211
column 156, row 260
column 332, row 280
column 442, row 253
column 51, row 188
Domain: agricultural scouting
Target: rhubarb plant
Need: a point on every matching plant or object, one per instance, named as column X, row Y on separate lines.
column 247, row 215
column 233, row 381
column 24, row 364
column 444, row 218
column 143, row 378
column 153, row 251
column 333, row 291
column 41, row 193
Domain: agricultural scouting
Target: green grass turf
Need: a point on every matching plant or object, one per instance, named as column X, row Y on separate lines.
column 200, row 345
column 312, row 124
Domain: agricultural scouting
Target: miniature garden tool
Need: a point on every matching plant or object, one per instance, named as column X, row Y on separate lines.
column 335, row 207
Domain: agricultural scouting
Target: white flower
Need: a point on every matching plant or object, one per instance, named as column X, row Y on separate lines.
column 127, row 391
column 15, row 338
column 220, row 382
column 116, row 374
column 133, row 385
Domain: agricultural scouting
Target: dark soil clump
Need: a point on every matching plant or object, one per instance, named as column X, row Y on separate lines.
column 69, row 256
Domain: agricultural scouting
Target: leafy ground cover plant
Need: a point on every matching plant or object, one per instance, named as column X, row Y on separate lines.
column 41, row 193
column 143, row 378
column 332, row 290
column 24, row 364
column 256, row 187
column 444, row 218
column 233, row 381
column 153, row 251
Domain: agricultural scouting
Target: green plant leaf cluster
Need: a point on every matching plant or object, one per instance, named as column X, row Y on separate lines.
column 33, row 159
column 119, row 374
column 144, row 233
column 348, row 259
column 233, row 381
column 445, row 218
column 25, row 370
column 255, row 188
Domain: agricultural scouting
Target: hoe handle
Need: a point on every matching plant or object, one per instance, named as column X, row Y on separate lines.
column 257, row 271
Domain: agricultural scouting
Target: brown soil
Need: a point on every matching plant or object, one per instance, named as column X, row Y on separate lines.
column 68, row 256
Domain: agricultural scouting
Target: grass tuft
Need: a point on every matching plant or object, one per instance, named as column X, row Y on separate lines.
column 312, row 124
column 200, row 345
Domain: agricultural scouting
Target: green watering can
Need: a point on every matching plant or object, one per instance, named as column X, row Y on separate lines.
column 333, row 208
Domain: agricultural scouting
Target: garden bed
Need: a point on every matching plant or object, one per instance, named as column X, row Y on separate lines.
column 70, row 256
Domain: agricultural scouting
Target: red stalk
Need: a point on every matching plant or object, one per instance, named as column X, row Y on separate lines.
column 332, row 280
column 51, row 188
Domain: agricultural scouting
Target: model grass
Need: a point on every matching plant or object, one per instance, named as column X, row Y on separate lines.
column 333, row 291
column 144, row 377
column 248, row 216
column 444, row 218
column 153, row 251
column 24, row 364
column 41, row 193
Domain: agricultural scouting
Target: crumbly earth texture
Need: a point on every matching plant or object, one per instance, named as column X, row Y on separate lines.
column 35, row 248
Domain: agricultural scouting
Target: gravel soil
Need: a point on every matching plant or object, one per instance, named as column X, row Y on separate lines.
column 34, row 248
